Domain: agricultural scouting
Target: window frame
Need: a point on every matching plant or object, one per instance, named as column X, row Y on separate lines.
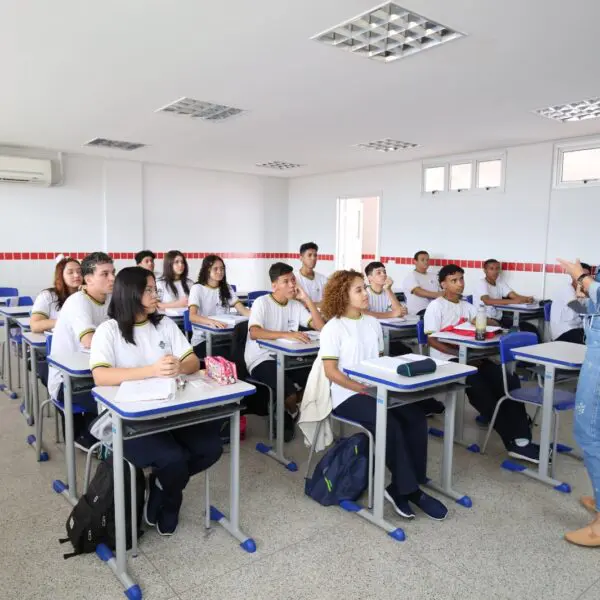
column 474, row 160
column 560, row 149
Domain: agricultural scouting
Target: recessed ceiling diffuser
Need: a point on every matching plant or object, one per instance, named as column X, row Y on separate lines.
column 114, row 144
column 278, row 164
column 199, row 109
column 387, row 32
column 574, row 111
column 387, row 145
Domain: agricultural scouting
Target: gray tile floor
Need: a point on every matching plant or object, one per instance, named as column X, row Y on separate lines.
column 509, row 545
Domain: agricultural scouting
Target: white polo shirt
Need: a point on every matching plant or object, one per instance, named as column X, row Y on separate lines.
column 110, row 349
column 495, row 292
column 273, row 316
column 80, row 314
column 442, row 313
column 313, row 287
column 426, row 281
column 350, row 341
column 168, row 296
column 46, row 305
column 562, row 317
column 208, row 302
column 379, row 302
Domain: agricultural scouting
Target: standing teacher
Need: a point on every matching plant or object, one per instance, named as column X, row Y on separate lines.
column 587, row 403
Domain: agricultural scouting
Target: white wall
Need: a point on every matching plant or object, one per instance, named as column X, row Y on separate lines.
column 124, row 206
column 510, row 226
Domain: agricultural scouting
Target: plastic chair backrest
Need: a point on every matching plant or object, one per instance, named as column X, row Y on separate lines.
column 233, row 287
column 421, row 337
column 9, row 291
column 25, row 301
column 252, row 296
column 515, row 340
column 547, row 309
column 48, row 344
column 469, row 299
column 187, row 324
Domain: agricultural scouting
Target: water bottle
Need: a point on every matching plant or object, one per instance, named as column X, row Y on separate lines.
column 480, row 324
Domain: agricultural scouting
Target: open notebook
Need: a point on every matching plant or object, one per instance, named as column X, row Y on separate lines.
column 229, row 320
column 313, row 335
column 155, row 388
column 390, row 363
column 470, row 327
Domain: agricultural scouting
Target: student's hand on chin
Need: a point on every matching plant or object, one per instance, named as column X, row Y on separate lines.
column 300, row 294
column 389, row 282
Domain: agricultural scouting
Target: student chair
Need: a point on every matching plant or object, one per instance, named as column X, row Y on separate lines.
column 15, row 339
column 358, row 426
column 187, row 325
column 233, row 287
column 547, row 331
column 534, row 395
column 422, row 338
column 8, row 291
column 252, row 296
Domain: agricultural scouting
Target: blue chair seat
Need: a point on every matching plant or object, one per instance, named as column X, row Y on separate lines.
column 535, row 395
column 77, row 410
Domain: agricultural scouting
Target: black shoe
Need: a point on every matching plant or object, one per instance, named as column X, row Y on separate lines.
column 167, row 523
column 289, row 428
column 530, row 453
column 85, row 441
column 431, row 406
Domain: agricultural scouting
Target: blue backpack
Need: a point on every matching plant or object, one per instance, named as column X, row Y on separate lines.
column 342, row 474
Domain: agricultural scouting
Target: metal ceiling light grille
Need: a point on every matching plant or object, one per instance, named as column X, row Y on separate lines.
column 278, row 164
column 198, row 109
column 575, row 111
column 387, row 145
column 114, row 144
column 387, row 33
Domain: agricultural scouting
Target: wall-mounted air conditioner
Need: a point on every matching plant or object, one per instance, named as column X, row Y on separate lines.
column 14, row 169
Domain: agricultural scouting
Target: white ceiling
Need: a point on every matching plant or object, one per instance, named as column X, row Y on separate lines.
column 72, row 70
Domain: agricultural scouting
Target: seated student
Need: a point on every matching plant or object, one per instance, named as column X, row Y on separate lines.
column 145, row 259
column 309, row 280
column 139, row 343
column 486, row 387
column 77, row 321
column 420, row 287
column 174, row 284
column 47, row 305
column 565, row 324
column 280, row 315
column 212, row 295
column 494, row 292
column 349, row 337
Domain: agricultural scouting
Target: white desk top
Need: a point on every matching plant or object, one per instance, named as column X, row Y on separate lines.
column 562, row 354
column 188, row 398
column 445, row 373
column 407, row 322
column 293, row 349
column 227, row 329
column 73, row 363
column 7, row 299
column 35, row 339
column 24, row 322
column 521, row 308
column 15, row 311
column 463, row 340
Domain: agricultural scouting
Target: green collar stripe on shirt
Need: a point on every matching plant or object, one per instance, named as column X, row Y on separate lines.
column 376, row 293
column 141, row 323
column 277, row 301
column 93, row 299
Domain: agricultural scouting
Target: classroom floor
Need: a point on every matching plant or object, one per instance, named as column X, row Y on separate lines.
column 509, row 545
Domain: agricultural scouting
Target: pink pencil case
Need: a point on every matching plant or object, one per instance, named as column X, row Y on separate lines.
column 221, row 370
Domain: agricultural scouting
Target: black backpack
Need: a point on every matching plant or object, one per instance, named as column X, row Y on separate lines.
column 342, row 474
column 92, row 520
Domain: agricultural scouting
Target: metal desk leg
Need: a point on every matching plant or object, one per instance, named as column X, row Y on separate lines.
column 386, row 341
column 232, row 525
column 118, row 563
column 445, row 486
column 375, row 515
column 41, row 454
column 541, row 474
column 69, row 491
column 26, row 405
column 8, row 370
column 263, row 448
column 208, row 337
column 515, row 318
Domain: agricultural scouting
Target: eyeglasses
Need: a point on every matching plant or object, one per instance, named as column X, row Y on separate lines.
column 155, row 292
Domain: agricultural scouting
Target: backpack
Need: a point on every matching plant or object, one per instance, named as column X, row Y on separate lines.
column 342, row 474
column 92, row 520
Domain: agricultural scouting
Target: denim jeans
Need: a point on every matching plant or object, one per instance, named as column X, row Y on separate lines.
column 587, row 406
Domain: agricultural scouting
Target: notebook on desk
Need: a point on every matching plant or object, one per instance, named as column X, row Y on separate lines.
column 390, row 364
column 153, row 389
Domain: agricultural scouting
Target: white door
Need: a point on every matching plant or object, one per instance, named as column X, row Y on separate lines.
column 350, row 233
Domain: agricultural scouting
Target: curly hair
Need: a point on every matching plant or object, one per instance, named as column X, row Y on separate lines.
column 336, row 294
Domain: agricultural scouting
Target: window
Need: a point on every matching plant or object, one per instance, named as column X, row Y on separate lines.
column 577, row 165
column 465, row 175
column 435, row 179
column 460, row 176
